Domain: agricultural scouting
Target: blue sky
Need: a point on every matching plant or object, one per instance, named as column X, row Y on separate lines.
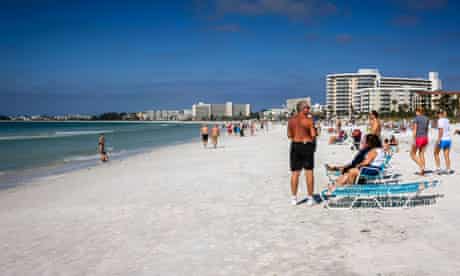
column 98, row 56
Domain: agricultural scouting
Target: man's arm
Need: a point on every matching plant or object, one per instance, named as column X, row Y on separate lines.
column 313, row 131
column 290, row 132
column 440, row 131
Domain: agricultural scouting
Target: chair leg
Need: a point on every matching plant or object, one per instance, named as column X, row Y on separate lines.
column 353, row 203
column 378, row 202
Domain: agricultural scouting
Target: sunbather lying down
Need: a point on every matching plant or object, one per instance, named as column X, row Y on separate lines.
column 372, row 162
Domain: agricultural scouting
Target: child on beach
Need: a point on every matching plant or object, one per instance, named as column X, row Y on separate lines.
column 101, row 149
column 393, row 144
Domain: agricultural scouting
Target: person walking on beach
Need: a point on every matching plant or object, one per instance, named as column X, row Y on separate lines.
column 204, row 135
column 420, row 132
column 302, row 133
column 253, row 128
column 229, row 129
column 101, row 148
column 215, row 133
column 443, row 143
column 375, row 126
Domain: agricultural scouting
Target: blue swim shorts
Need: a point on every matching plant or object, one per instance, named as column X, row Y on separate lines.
column 445, row 144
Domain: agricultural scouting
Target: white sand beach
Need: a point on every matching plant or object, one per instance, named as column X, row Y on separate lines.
column 183, row 210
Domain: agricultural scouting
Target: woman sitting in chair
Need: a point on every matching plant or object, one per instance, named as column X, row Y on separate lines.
column 370, row 166
column 357, row 159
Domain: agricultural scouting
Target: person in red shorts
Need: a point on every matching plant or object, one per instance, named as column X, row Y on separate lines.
column 420, row 128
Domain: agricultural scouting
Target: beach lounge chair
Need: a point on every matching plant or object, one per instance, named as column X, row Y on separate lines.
column 384, row 173
column 378, row 192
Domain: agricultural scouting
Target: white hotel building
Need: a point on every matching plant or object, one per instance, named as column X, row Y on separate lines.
column 367, row 90
column 204, row 111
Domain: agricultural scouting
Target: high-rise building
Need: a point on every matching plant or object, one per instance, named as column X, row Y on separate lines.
column 241, row 110
column 201, row 111
column 368, row 90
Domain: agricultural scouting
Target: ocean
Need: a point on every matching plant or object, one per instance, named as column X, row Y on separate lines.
column 29, row 149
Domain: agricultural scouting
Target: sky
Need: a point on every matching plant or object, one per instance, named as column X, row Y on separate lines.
column 90, row 57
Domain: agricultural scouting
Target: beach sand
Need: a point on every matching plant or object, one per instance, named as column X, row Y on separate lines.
column 183, row 210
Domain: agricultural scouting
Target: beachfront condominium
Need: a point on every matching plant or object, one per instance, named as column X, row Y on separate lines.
column 228, row 110
column 368, row 90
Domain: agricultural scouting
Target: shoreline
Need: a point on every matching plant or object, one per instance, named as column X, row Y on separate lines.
column 115, row 121
column 19, row 177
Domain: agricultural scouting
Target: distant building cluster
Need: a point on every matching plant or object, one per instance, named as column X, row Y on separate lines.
column 346, row 94
column 224, row 111
column 367, row 90
column 74, row 117
column 165, row 115
column 290, row 108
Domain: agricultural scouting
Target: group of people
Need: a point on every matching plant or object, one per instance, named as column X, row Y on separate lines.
column 237, row 129
column 420, row 131
column 370, row 157
column 215, row 133
column 372, row 153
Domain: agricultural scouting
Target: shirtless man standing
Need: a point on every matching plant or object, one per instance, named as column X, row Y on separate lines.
column 204, row 135
column 302, row 133
column 374, row 123
column 375, row 127
column 215, row 133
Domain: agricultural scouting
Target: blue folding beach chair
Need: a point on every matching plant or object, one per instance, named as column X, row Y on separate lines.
column 384, row 174
column 378, row 192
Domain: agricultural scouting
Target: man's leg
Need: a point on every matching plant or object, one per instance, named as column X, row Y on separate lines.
column 437, row 161
column 413, row 155
column 310, row 181
column 447, row 159
column 352, row 175
column 342, row 180
column 421, row 154
column 294, row 182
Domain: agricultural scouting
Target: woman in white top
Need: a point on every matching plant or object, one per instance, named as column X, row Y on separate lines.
column 371, row 165
column 443, row 143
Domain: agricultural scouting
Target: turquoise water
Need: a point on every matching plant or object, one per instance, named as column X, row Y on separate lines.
column 28, row 145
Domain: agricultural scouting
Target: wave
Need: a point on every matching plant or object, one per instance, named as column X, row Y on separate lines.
column 81, row 132
column 92, row 156
column 58, row 134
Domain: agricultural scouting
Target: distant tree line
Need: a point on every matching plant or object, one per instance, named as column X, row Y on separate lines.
column 4, row 118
